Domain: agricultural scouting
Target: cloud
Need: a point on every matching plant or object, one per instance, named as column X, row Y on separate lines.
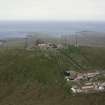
column 52, row 9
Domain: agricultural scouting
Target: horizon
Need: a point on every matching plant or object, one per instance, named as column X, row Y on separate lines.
column 54, row 28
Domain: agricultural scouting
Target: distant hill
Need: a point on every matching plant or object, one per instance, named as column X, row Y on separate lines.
column 86, row 38
column 18, row 28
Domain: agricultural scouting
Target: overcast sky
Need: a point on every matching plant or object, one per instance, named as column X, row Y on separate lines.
column 52, row 10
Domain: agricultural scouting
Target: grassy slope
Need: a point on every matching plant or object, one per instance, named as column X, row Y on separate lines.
column 36, row 77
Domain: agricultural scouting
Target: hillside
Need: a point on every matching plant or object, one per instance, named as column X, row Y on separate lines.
column 36, row 77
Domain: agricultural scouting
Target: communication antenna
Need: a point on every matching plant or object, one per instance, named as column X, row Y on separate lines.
column 76, row 39
column 2, row 43
column 26, row 43
column 76, row 43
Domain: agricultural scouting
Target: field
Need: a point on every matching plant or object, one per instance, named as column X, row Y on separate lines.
column 36, row 77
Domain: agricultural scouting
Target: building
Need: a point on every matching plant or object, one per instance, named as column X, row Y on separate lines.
column 82, row 84
column 70, row 75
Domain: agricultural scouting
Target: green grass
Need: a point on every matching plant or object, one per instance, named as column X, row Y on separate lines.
column 36, row 77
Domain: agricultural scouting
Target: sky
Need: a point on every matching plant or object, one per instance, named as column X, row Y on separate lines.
column 66, row 10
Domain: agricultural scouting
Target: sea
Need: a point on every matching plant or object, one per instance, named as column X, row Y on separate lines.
column 20, row 29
